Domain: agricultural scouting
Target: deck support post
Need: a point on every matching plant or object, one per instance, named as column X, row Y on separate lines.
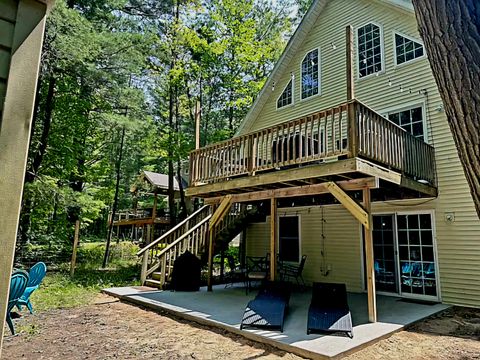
column 210, row 258
column 372, row 304
column 352, row 121
column 273, row 238
column 210, row 234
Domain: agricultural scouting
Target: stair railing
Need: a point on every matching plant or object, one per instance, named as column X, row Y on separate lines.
column 151, row 252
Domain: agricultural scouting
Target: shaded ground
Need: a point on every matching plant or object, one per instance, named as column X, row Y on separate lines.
column 109, row 329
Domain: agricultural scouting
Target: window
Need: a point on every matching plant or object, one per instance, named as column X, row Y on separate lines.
column 410, row 120
column 289, row 238
column 407, row 49
column 369, row 50
column 286, row 98
column 310, row 80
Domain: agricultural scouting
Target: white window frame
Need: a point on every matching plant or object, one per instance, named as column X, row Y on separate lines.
column 299, row 236
column 292, row 79
column 319, row 69
column 408, row 106
column 395, row 32
column 382, row 52
column 397, row 255
column 435, row 255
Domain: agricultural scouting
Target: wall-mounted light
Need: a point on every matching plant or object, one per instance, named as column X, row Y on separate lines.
column 273, row 86
column 334, row 47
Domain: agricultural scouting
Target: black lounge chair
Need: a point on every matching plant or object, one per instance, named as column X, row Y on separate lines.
column 329, row 311
column 269, row 307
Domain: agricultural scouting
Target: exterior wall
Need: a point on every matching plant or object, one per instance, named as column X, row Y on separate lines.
column 8, row 9
column 21, row 37
column 341, row 246
column 458, row 242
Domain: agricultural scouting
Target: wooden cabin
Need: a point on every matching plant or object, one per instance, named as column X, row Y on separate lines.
column 348, row 146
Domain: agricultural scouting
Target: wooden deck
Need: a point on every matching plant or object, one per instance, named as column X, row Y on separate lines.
column 349, row 141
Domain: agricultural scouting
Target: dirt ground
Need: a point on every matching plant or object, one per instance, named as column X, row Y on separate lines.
column 109, row 329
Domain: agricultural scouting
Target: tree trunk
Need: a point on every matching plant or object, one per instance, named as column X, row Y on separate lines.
column 118, row 166
column 451, row 33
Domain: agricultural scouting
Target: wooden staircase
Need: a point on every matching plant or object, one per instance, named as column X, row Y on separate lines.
column 193, row 234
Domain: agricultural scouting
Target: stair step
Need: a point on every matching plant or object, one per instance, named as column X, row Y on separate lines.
column 156, row 275
column 153, row 283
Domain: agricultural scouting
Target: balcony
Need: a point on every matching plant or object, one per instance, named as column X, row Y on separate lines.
column 347, row 141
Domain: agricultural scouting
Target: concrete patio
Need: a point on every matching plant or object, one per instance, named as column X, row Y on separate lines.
column 224, row 308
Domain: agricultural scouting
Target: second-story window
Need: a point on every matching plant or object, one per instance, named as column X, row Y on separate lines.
column 410, row 120
column 310, row 76
column 407, row 49
column 286, row 98
column 369, row 50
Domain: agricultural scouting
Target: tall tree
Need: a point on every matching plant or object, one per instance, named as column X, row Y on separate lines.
column 451, row 33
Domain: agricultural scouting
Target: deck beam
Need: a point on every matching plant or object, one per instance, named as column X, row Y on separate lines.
column 344, row 167
column 304, row 190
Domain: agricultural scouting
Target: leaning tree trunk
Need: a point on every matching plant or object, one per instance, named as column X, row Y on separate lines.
column 451, row 33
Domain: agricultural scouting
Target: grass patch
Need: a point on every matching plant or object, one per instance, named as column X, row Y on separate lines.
column 59, row 290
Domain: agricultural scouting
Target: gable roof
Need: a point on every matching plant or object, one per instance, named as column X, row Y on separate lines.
column 291, row 49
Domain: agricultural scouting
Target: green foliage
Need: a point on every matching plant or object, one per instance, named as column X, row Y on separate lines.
column 110, row 65
column 59, row 290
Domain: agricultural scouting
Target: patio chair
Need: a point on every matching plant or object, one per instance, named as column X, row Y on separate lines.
column 236, row 273
column 329, row 311
column 291, row 271
column 257, row 269
column 18, row 284
column 35, row 277
column 269, row 307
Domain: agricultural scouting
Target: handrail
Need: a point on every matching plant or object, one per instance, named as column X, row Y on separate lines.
column 173, row 244
column 169, row 232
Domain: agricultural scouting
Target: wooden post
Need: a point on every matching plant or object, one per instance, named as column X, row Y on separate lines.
column 372, row 304
column 21, row 49
column 143, row 274
column 352, row 121
column 197, row 125
column 210, row 258
column 154, row 215
column 75, row 245
column 273, row 238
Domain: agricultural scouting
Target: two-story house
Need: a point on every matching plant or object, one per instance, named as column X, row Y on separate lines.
column 348, row 145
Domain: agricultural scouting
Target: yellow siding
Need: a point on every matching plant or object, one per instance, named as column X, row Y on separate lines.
column 342, row 244
column 458, row 243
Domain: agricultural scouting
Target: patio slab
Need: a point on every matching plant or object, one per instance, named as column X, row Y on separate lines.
column 224, row 308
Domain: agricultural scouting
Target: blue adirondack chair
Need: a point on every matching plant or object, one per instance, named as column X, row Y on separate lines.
column 18, row 284
column 36, row 275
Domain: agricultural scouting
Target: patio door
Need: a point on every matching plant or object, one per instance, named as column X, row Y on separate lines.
column 404, row 255
column 384, row 251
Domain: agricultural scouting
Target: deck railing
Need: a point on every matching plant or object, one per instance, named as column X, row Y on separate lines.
column 348, row 130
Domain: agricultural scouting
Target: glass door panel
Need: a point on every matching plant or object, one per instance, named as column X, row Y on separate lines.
column 416, row 255
column 384, row 253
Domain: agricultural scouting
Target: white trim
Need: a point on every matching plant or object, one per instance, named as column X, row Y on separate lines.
column 396, row 65
column 319, row 69
column 399, row 292
column 299, row 235
column 292, row 80
column 408, row 106
column 435, row 256
column 382, row 52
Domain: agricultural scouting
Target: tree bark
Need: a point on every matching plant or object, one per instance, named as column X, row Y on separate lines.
column 451, row 33
column 118, row 167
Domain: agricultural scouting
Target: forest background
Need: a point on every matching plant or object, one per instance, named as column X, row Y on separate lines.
column 118, row 89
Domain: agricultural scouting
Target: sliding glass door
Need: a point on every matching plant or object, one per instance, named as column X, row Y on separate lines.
column 416, row 254
column 404, row 254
